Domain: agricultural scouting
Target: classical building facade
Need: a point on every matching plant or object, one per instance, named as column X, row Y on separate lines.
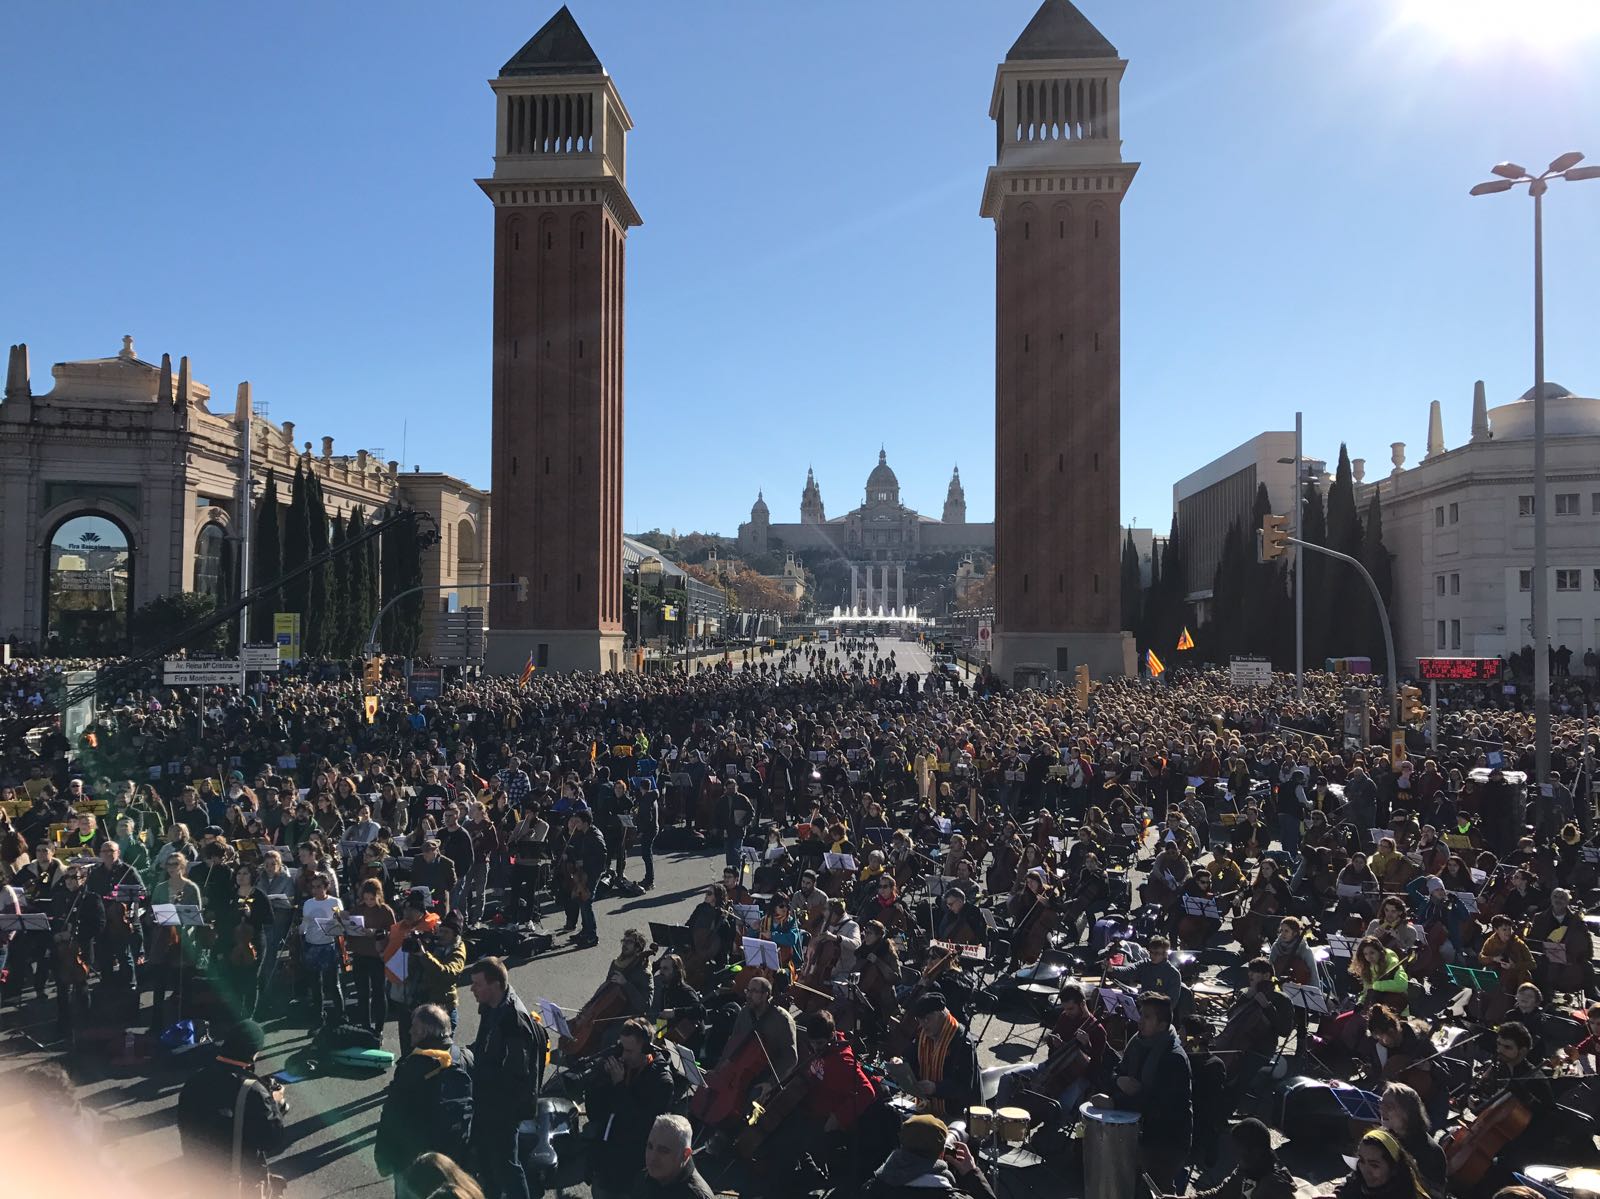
column 1055, row 196
column 879, row 538
column 121, row 485
column 1460, row 525
column 561, row 219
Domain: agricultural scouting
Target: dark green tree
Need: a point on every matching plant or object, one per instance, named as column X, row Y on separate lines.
column 321, row 613
column 1348, row 621
column 1375, row 557
column 359, row 604
column 266, row 558
column 341, row 638
column 1132, row 584
column 167, row 616
column 402, row 570
column 1318, row 577
column 297, row 548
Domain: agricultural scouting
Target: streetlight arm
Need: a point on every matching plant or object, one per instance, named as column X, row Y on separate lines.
column 1393, row 681
column 372, row 634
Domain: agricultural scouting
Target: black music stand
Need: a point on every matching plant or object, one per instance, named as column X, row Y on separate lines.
column 674, row 937
column 20, row 922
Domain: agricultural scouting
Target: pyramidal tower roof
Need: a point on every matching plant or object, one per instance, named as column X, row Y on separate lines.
column 1059, row 30
column 558, row 49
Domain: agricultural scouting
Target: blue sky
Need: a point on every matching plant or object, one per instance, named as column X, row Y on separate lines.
column 284, row 192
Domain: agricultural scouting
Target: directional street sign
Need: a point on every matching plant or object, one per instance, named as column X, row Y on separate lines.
column 261, row 657
column 179, row 672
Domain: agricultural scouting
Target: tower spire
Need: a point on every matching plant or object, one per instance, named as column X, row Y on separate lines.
column 1480, row 412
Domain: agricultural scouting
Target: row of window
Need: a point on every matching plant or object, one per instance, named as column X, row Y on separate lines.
column 1439, row 584
column 1568, row 503
column 1568, row 578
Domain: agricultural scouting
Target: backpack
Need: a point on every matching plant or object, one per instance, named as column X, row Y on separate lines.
column 450, row 1099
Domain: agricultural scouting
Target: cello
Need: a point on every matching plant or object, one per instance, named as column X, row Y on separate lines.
column 727, row 1088
column 1470, row 1150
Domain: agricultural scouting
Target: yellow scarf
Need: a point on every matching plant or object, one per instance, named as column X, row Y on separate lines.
column 931, row 1054
column 440, row 1056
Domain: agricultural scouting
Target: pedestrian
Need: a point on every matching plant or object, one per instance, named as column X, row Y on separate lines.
column 669, row 1169
column 228, row 1115
column 507, row 1069
column 428, row 1106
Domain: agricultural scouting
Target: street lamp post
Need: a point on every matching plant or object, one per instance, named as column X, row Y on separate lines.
column 1509, row 175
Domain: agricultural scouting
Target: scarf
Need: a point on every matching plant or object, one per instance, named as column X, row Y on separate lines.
column 931, row 1054
column 441, row 1058
column 1144, row 1055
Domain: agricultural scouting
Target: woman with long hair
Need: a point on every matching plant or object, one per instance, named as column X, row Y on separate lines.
column 1383, row 1170
column 1382, row 977
column 1402, row 1115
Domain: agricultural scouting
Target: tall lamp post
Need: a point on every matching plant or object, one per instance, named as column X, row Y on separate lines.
column 1510, row 175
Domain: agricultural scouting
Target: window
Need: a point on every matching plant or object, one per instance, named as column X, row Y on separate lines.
column 1455, row 584
column 1524, row 580
column 1568, row 580
column 1524, row 505
column 1438, row 634
column 1455, row 634
column 210, row 569
column 1438, row 518
column 1438, row 584
column 1595, row 584
column 88, row 568
column 1455, row 514
column 1594, row 504
column 1567, row 503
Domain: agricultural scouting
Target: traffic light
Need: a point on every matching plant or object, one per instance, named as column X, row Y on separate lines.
column 372, row 672
column 1273, row 540
column 1411, row 709
column 522, row 587
column 1083, row 685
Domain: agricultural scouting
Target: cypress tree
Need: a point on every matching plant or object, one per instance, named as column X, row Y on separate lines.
column 340, row 637
column 1375, row 557
column 1348, row 621
column 321, row 605
column 1318, row 580
column 266, row 560
column 1132, row 585
column 358, row 601
column 296, row 549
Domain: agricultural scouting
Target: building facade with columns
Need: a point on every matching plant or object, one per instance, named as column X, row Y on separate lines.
column 120, row 485
column 1460, row 525
column 880, row 538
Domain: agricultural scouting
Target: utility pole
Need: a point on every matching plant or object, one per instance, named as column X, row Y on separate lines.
column 1299, row 561
column 244, row 417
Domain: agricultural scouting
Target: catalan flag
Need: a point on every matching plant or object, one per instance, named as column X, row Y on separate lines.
column 1154, row 663
column 1186, row 641
column 527, row 671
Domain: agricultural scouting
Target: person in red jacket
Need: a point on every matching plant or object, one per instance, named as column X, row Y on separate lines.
column 837, row 1093
column 1076, row 1044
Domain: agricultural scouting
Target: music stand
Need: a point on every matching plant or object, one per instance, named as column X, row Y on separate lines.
column 1201, row 905
column 1472, row 978
column 675, row 937
column 1342, row 946
column 176, row 915
column 18, row 922
column 1310, row 998
column 758, row 953
column 1555, row 953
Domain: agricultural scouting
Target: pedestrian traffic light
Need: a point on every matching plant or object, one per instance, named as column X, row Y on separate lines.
column 1411, row 709
column 1273, row 539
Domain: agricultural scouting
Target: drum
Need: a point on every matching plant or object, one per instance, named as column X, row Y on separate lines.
column 980, row 1123
column 1110, row 1152
column 1014, row 1124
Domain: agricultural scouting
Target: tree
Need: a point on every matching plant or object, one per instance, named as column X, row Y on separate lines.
column 165, row 617
column 340, row 635
column 297, row 548
column 1349, row 604
column 266, row 558
column 401, row 556
column 1132, row 584
column 1376, row 558
column 1318, row 595
column 322, row 605
column 360, row 602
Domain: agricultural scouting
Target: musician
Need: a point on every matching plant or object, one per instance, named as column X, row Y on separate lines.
column 811, row 905
column 1075, row 1043
column 216, row 1091
column 782, row 928
column 671, row 991
column 776, row 1029
column 1258, row 1173
column 879, row 963
column 1401, row 1113
column 885, row 906
column 1213, row 1098
column 922, row 1165
column 713, row 928
column 837, row 1092
column 736, row 890
column 1249, row 836
column 1168, row 875
column 1564, row 925
column 960, row 922
column 1199, row 928
column 1392, row 1049
column 77, row 917
column 584, row 860
column 1091, row 894
column 1154, row 1080
column 1589, row 1047
column 838, row 928
column 630, row 970
column 1527, row 1010
column 1392, row 926
column 1506, row 952
column 945, row 1061
column 1159, row 974
column 1382, row 977
column 1383, row 1170
column 1524, row 898
column 1226, row 875
column 625, row 1091
column 1291, row 958
column 1256, row 1022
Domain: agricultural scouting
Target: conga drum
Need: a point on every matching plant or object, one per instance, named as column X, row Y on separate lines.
column 1110, row 1152
column 1014, row 1124
column 980, row 1123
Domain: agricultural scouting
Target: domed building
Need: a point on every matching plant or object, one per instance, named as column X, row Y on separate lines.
column 879, row 538
column 1460, row 525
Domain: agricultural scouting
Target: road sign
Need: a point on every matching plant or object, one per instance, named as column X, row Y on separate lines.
column 425, row 684
column 1250, row 672
column 180, row 672
column 261, row 657
column 286, row 632
column 985, row 635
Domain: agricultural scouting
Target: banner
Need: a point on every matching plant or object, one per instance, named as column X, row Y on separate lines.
column 286, row 632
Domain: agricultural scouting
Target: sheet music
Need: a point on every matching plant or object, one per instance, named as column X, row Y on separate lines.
column 1201, row 905
column 838, row 861
column 553, row 1017
column 750, row 913
column 760, row 953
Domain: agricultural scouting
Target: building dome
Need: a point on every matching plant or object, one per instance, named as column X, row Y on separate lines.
column 1552, row 391
column 882, row 478
column 758, row 510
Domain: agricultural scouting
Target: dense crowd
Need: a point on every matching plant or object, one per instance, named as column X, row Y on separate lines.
column 915, row 852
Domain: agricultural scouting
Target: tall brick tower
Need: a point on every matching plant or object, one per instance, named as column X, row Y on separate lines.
column 1055, row 194
column 561, row 220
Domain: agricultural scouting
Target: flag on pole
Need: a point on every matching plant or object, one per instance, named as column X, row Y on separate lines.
column 1186, row 641
column 1154, row 663
column 527, row 671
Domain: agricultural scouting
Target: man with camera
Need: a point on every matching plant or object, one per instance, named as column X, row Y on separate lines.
column 626, row 1088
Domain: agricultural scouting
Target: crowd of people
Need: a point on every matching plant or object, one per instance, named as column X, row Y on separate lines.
column 1220, row 917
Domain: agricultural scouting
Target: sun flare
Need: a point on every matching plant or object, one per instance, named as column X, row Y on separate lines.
column 1543, row 26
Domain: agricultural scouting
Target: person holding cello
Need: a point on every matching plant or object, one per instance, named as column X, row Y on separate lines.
column 1076, row 1044
column 1291, row 958
column 761, row 1050
column 583, row 861
column 1256, row 1022
column 1395, row 1052
column 1510, row 1099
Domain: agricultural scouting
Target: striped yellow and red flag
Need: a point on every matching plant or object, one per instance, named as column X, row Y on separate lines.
column 527, row 671
column 1154, row 663
column 1186, row 641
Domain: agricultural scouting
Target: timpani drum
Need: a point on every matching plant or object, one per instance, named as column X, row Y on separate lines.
column 1013, row 1124
column 980, row 1123
column 1110, row 1152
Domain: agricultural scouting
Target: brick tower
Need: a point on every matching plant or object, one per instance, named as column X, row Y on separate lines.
column 561, row 220
column 1055, row 194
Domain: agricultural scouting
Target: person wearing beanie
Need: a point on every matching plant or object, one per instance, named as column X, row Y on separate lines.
column 212, row 1099
column 1259, row 1174
column 922, row 1165
column 944, row 1059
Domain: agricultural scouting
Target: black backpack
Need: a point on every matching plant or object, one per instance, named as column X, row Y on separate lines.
column 450, row 1099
